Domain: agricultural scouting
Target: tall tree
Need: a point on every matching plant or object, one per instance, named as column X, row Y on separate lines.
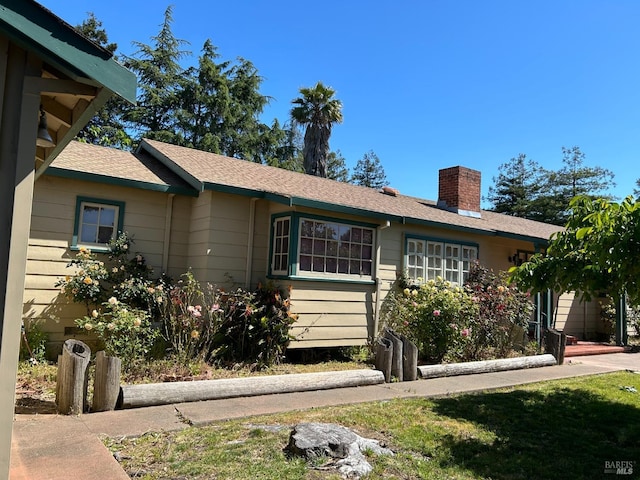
column 337, row 167
column 160, row 78
column 106, row 128
column 317, row 110
column 516, row 187
column 369, row 172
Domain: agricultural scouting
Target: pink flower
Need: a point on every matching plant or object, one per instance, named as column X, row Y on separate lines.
column 465, row 332
column 436, row 313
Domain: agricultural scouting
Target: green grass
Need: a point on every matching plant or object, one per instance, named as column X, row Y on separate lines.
column 551, row 430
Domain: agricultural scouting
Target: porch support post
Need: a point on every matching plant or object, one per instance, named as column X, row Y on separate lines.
column 18, row 129
column 621, row 321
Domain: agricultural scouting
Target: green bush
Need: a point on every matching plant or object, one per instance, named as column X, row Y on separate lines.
column 447, row 322
column 122, row 331
column 33, row 342
column 225, row 327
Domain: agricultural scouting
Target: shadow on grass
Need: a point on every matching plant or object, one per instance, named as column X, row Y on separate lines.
column 565, row 433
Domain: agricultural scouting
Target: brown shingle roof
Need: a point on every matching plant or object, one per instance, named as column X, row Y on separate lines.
column 118, row 165
column 209, row 170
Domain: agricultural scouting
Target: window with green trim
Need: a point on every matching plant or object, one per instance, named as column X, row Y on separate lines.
column 317, row 247
column 97, row 222
column 428, row 259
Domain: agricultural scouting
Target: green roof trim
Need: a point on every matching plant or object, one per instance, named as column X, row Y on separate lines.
column 121, row 182
column 35, row 28
column 171, row 165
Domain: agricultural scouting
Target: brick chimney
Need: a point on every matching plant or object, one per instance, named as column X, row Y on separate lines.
column 459, row 191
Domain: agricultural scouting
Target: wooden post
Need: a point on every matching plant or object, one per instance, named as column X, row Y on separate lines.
column 409, row 360
column 384, row 355
column 396, row 360
column 73, row 377
column 555, row 343
column 106, row 387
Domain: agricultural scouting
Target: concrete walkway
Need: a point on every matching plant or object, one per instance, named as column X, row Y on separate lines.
column 60, row 447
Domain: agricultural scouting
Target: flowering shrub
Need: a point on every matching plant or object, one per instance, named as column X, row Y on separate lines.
column 88, row 284
column 220, row 327
column 123, row 331
column 435, row 316
column 504, row 313
column 452, row 323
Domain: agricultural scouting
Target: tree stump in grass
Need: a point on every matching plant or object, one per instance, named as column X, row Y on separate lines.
column 396, row 361
column 555, row 343
column 72, row 380
column 106, row 388
column 409, row 360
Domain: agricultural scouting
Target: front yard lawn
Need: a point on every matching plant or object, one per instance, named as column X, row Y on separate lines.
column 553, row 430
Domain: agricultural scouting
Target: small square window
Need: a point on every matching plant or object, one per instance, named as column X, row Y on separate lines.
column 97, row 222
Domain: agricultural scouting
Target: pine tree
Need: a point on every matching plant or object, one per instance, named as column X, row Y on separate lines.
column 369, row 172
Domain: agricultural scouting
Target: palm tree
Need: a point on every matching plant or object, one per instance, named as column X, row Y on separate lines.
column 318, row 111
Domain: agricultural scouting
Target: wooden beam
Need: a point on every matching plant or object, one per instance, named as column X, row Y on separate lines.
column 57, row 110
column 55, row 86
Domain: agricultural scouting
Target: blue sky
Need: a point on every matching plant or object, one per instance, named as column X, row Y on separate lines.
column 429, row 84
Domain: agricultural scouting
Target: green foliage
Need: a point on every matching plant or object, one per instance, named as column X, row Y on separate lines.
column 337, row 167
column 524, row 189
column 33, row 343
column 317, row 110
column 88, row 285
column 447, row 322
column 123, row 332
column 225, row 327
column 597, row 252
column 369, row 172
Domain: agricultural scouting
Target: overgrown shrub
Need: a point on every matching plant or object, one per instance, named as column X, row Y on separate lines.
column 433, row 315
column 452, row 323
column 123, row 331
column 504, row 313
column 225, row 327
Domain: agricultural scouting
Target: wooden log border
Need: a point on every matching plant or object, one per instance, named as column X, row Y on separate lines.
column 145, row 395
column 486, row 366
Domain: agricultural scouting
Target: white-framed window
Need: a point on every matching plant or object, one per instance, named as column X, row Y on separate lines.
column 97, row 222
column 428, row 259
column 280, row 250
column 317, row 247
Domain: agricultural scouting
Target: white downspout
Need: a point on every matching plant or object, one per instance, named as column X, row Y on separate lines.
column 252, row 228
column 376, row 313
column 167, row 232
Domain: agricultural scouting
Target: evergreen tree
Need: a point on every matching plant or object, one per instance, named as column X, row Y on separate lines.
column 337, row 167
column 106, row 128
column 369, row 172
column 517, row 185
column 160, row 79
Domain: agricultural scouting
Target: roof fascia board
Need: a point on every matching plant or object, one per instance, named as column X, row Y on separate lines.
column 171, row 165
column 35, row 28
column 121, row 182
column 303, row 202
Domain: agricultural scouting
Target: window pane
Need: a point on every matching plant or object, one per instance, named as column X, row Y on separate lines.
column 319, row 247
column 332, row 265
column 366, row 267
column 107, row 216
column 306, row 245
column 89, row 234
column 355, row 267
column 306, row 228
column 332, row 249
column 356, row 235
column 90, row 214
column 332, row 232
column 356, row 251
column 366, row 252
column 318, row 264
column 367, row 236
column 345, row 233
column 343, row 266
column 105, row 234
column 305, row 263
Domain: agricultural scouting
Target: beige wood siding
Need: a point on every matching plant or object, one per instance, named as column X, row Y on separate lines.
column 51, row 235
column 330, row 314
column 578, row 318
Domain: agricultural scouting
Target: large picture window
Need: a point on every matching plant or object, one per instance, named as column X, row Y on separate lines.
column 314, row 247
column 428, row 259
column 97, row 222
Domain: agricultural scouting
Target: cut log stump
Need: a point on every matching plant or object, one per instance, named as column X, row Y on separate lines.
column 555, row 343
column 106, row 388
column 384, row 356
column 72, row 380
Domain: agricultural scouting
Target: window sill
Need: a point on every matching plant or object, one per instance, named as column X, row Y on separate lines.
column 321, row 279
column 96, row 249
